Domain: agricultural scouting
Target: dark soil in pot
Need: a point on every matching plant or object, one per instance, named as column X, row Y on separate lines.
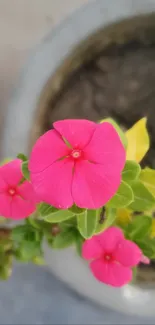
column 111, row 74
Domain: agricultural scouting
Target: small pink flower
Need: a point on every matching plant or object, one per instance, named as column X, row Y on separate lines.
column 16, row 201
column 88, row 173
column 112, row 257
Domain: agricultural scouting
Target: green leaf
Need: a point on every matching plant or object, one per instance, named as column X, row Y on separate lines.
column 25, row 170
column 143, row 199
column 118, row 129
column 79, row 242
column 134, row 275
column 38, row 235
column 45, row 209
column 147, row 246
column 139, row 228
column 52, row 215
column 18, row 233
column 147, row 177
column 110, row 216
column 38, row 260
column 122, row 198
column 134, row 270
column 64, row 239
column 5, row 272
column 87, row 222
column 29, row 249
column 22, row 157
column 32, row 221
column 76, row 210
column 5, row 245
column 59, row 216
column 69, row 223
column 25, row 233
column 131, row 171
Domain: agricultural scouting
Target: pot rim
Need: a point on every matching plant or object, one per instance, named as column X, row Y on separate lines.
column 129, row 299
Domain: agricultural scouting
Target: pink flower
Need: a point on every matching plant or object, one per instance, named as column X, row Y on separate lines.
column 16, row 201
column 112, row 257
column 87, row 173
column 145, row 259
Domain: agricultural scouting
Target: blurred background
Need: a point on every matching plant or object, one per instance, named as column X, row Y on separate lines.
column 23, row 24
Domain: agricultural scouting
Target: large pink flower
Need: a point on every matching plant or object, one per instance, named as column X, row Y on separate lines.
column 112, row 257
column 87, row 172
column 17, row 200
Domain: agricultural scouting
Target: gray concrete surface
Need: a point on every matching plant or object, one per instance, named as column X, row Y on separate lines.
column 34, row 296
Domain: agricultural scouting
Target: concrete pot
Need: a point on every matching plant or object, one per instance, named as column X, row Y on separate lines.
column 63, row 51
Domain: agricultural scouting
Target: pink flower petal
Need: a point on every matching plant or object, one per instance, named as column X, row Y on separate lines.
column 112, row 274
column 53, row 185
column 106, row 148
column 145, row 259
column 93, row 186
column 11, row 172
column 110, row 238
column 48, row 148
column 3, row 184
column 77, row 132
column 91, row 248
column 128, row 253
column 5, row 205
column 20, row 208
column 27, row 192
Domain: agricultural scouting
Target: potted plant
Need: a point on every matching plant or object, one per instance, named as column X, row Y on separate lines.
column 105, row 71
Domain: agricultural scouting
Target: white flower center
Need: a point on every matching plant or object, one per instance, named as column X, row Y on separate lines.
column 12, row 191
column 76, row 153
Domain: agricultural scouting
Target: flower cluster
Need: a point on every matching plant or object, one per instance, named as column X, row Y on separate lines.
column 82, row 186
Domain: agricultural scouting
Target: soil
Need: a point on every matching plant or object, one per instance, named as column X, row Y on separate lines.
column 120, row 83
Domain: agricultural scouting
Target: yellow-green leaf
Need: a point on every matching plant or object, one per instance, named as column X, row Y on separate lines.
column 87, row 222
column 76, row 210
column 59, row 216
column 131, row 171
column 110, row 216
column 143, row 199
column 38, row 260
column 138, row 141
column 122, row 198
column 152, row 234
column 45, row 209
column 147, row 177
column 64, row 239
column 140, row 227
column 118, row 129
column 124, row 216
